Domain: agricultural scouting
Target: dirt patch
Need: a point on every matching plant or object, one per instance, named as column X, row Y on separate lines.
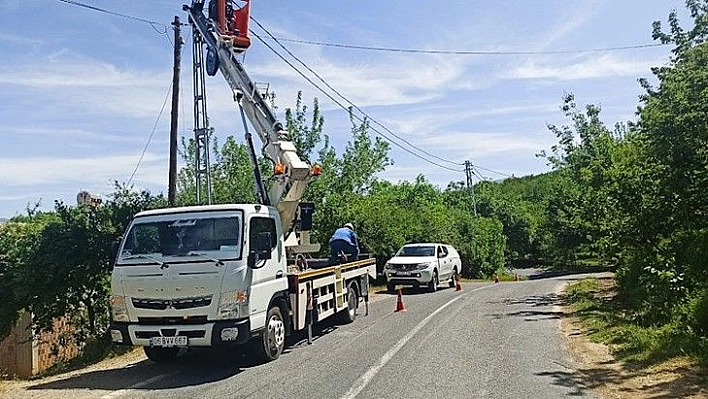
column 598, row 370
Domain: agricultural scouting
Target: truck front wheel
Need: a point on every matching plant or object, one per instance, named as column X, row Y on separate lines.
column 433, row 284
column 160, row 354
column 272, row 338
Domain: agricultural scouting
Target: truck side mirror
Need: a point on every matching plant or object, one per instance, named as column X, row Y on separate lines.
column 261, row 246
column 113, row 253
column 306, row 211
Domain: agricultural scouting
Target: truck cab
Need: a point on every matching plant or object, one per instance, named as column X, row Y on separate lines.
column 199, row 276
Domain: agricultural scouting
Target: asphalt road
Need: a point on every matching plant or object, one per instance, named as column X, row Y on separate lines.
column 490, row 340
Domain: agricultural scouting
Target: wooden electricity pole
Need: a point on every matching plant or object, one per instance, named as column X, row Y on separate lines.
column 172, row 183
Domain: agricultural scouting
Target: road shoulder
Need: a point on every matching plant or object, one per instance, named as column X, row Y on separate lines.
column 597, row 369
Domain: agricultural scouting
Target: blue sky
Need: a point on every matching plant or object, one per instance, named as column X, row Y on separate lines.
column 80, row 91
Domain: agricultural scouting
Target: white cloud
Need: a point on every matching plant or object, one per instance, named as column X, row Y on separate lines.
column 84, row 172
column 90, row 85
column 15, row 39
column 431, row 120
column 59, row 135
column 388, row 81
column 606, row 65
column 582, row 12
column 468, row 144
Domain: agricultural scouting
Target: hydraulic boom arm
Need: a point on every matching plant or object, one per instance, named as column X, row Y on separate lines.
column 292, row 173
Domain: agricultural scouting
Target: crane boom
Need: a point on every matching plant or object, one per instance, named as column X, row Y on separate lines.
column 222, row 55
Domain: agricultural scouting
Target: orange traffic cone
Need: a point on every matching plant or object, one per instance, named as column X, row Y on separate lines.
column 400, row 306
column 458, row 286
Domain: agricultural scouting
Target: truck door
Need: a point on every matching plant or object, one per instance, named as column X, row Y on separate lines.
column 444, row 261
column 269, row 277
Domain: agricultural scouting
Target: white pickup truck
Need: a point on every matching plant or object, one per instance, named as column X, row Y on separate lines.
column 422, row 264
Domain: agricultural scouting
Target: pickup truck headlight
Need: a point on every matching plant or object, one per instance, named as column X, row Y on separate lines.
column 232, row 305
column 425, row 265
column 119, row 312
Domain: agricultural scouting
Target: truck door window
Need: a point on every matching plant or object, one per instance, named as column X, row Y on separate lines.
column 442, row 252
column 262, row 225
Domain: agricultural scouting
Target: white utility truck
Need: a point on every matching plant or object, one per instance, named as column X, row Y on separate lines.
column 231, row 274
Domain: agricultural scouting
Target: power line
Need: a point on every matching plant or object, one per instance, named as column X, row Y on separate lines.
column 337, row 102
column 167, row 96
column 493, row 171
column 153, row 24
column 470, row 52
column 349, row 102
column 103, row 10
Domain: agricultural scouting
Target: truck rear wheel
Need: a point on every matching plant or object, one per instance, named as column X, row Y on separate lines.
column 349, row 314
column 160, row 354
column 272, row 338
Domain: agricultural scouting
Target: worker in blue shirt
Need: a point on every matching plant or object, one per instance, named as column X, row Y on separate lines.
column 344, row 241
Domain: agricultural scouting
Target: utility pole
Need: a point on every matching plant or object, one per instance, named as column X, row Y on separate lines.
column 172, row 179
column 470, row 184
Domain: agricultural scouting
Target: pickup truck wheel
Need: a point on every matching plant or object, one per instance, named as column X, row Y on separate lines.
column 391, row 288
column 272, row 338
column 160, row 354
column 349, row 314
column 433, row 284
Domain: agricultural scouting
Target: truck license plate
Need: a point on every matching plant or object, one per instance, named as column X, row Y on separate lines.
column 179, row 340
column 404, row 273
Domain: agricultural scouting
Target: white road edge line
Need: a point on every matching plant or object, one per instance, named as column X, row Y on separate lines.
column 364, row 380
column 138, row 385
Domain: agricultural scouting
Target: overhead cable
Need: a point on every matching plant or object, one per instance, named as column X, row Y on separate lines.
column 348, row 101
column 491, row 171
column 164, row 103
column 471, row 52
column 351, row 104
column 103, row 10
column 338, row 103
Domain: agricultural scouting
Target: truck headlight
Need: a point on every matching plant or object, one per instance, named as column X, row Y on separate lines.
column 119, row 312
column 232, row 305
column 423, row 266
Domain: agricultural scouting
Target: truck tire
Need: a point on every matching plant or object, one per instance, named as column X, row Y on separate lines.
column 433, row 284
column 271, row 341
column 160, row 354
column 348, row 315
column 391, row 288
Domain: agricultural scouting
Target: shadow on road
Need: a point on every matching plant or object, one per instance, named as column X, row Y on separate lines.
column 414, row 291
column 533, row 301
column 587, row 379
column 196, row 366
column 538, row 274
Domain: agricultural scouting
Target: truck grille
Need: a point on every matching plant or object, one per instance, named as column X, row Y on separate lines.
column 406, row 267
column 177, row 303
column 161, row 321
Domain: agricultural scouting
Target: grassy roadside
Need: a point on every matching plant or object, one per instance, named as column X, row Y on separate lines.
column 607, row 321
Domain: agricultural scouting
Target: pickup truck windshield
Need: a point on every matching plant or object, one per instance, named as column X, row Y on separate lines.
column 184, row 237
column 417, row 250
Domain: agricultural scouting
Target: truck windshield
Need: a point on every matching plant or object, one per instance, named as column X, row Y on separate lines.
column 417, row 250
column 218, row 236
